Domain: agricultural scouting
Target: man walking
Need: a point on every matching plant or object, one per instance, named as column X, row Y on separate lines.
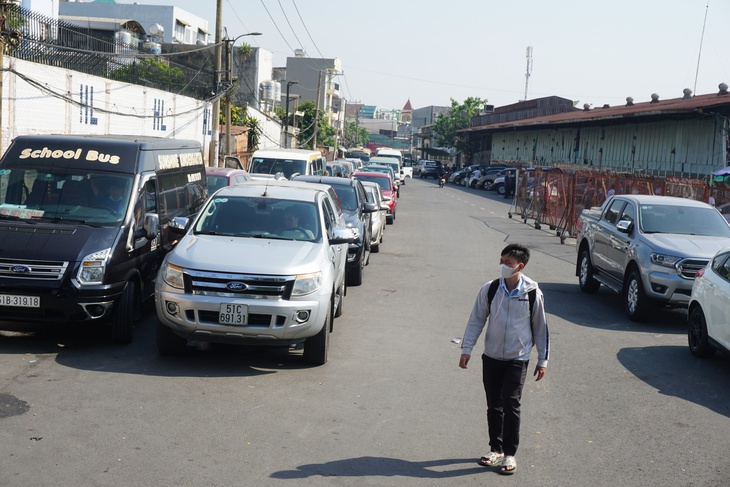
column 515, row 308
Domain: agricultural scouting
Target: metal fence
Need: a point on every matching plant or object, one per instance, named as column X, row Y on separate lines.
column 556, row 196
column 40, row 39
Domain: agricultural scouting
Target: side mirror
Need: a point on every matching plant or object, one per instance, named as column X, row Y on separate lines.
column 369, row 208
column 625, row 226
column 343, row 236
column 150, row 228
column 384, row 207
column 179, row 225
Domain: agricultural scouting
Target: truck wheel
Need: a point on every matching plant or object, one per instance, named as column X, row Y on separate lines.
column 316, row 348
column 168, row 343
column 697, row 335
column 586, row 281
column 123, row 319
column 635, row 300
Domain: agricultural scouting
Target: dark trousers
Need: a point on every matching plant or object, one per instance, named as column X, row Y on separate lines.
column 503, row 382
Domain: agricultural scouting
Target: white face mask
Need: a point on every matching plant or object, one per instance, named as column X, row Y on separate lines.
column 506, row 271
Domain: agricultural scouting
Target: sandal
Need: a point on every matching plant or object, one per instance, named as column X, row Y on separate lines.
column 491, row 459
column 509, row 465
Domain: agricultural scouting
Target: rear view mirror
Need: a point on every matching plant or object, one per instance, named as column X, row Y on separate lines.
column 179, row 225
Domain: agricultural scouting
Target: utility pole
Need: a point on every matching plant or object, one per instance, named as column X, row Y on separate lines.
column 316, row 113
column 229, row 85
column 216, row 116
column 286, row 134
column 7, row 37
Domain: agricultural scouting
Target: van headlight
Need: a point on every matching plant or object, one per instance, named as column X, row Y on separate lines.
column 93, row 267
column 173, row 276
column 307, row 284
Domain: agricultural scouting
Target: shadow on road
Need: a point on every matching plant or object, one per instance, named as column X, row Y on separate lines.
column 604, row 310
column 674, row 371
column 86, row 347
column 382, row 467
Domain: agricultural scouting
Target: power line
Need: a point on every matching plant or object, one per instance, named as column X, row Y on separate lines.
column 305, row 28
column 301, row 44
column 275, row 25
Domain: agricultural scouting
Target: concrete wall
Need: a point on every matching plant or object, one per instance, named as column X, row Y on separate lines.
column 49, row 100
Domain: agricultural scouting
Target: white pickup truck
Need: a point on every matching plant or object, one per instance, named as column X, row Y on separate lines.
column 648, row 248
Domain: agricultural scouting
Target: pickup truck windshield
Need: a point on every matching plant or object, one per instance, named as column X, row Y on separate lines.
column 64, row 196
column 260, row 218
column 682, row 220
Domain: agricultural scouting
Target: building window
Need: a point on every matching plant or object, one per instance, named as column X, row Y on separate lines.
column 179, row 32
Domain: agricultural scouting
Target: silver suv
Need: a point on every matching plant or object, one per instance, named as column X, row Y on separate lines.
column 263, row 264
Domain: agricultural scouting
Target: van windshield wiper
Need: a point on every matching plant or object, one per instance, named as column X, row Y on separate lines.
column 56, row 219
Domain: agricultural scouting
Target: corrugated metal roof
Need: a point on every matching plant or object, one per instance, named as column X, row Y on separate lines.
column 660, row 108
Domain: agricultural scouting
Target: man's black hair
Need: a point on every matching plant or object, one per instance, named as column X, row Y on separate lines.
column 519, row 252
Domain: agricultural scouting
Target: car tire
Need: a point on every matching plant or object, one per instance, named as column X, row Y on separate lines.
column 697, row 336
column 354, row 276
column 341, row 304
column 586, row 281
column 168, row 343
column 500, row 189
column 124, row 314
column 636, row 302
column 316, row 348
column 375, row 248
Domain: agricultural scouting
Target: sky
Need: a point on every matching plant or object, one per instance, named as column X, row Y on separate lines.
column 589, row 51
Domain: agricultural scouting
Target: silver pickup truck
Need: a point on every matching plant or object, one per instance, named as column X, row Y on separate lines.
column 647, row 248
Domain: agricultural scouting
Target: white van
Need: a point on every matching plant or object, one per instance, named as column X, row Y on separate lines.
column 403, row 170
column 290, row 162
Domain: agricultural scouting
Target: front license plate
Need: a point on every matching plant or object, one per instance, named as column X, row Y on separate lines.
column 233, row 314
column 20, row 301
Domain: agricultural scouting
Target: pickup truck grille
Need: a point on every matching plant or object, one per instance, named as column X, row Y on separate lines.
column 47, row 270
column 238, row 285
column 688, row 268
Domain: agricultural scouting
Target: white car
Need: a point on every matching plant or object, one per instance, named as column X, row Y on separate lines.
column 709, row 313
column 377, row 219
column 263, row 264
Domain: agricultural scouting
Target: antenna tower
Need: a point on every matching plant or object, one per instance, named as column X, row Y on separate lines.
column 529, row 69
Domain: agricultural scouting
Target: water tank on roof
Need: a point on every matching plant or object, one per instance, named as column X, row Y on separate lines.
column 269, row 90
column 152, row 47
column 123, row 36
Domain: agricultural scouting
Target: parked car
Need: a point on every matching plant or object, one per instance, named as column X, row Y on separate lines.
column 490, row 175
column 220, row 177
column 357, row 210
column 708, row 313
column 458, row 177
column 377, row 218
column 430, row 169
column 394, row 165
column 647, row 248
column 335, row 169
column 284, row 289
column 384, row 169
column 386, row 187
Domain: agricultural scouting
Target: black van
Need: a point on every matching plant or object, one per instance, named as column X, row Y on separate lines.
column 84, row 225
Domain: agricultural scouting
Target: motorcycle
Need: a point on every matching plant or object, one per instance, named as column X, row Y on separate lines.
column 442, row 180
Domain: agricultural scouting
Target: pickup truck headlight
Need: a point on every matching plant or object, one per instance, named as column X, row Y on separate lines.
column 173, row 276
column 93, row 267
column 307, row 284
column 664, row 260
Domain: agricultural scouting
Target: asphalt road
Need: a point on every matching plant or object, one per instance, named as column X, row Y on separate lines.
column 622, row 404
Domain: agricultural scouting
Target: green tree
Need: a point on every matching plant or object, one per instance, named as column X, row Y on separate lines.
column 152, row 72
column 350, row 138
column 447, row 126
column 325, row 133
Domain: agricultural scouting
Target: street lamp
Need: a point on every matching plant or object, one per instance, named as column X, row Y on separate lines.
column 286, row 135
column 229, row 44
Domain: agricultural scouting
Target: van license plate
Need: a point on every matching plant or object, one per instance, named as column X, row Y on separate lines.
column 233, row 314
column 20, row 301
